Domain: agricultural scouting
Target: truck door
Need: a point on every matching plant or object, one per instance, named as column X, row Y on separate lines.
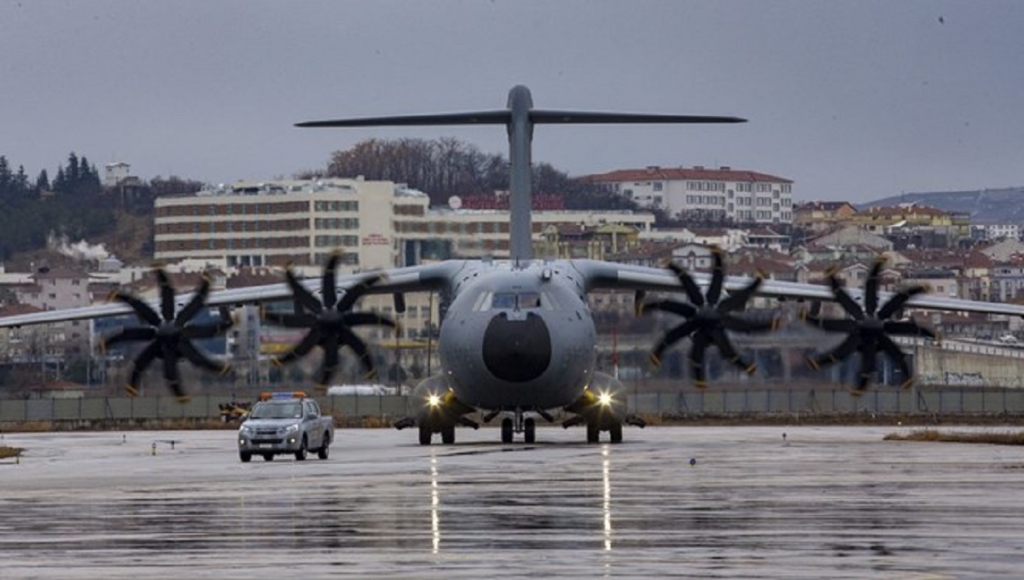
column 315, row 427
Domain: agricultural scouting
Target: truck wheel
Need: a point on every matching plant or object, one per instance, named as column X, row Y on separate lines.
column 268, row 457
column 322, row 452
column 245, row 456
column 300, row 455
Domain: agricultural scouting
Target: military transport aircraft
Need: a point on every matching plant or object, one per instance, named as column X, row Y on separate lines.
column 517, row 337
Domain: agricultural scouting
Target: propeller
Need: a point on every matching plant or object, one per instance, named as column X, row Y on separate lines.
column 169, row 335
column 330, row 321
column 707, row 316
column 868, row 329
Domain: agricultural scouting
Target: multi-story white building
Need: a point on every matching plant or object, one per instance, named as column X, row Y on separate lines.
column 718, row 194
column 373, row 224
column 282, row 222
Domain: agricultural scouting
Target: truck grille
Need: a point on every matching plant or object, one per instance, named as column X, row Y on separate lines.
column 266, row 440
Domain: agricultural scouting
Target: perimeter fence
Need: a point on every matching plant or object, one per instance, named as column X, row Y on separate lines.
column 708, row 402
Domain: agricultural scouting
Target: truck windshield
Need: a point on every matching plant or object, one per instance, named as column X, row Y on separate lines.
column 277, row 411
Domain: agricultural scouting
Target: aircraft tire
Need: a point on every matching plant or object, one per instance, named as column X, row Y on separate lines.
column 593, row 433
column 301, row 454
column 245, row 456
column 615, row 433
column 530, row 430
column 506, row 430
column 425, row 435
column 448, row 435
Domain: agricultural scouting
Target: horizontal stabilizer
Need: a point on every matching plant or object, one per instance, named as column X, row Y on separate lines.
column 479, row 118
column 584, row 117
column 504, row 117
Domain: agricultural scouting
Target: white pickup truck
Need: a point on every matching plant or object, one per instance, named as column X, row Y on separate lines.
column 283, row 423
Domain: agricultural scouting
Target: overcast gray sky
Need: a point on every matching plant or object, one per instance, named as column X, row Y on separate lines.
column 852, row 100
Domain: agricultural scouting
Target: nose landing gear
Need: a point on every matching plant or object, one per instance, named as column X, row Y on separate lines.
column 518, row 423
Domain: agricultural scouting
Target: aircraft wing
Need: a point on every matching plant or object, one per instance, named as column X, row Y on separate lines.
column 628, row 277
column 399, row 280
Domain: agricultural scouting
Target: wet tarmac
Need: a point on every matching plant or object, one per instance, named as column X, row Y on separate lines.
column 825, row 502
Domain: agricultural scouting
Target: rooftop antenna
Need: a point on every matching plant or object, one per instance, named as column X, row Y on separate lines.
column 519, row 117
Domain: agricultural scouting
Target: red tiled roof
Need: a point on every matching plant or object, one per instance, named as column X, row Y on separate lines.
column 684, row 173
column 16, row 309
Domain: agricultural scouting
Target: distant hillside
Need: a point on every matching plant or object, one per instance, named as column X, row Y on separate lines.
column 985, row 206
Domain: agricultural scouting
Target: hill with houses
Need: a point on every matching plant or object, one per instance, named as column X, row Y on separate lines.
column 984, row 206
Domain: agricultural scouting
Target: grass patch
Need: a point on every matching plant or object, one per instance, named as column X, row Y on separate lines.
column 6, row 452
column 958, row 437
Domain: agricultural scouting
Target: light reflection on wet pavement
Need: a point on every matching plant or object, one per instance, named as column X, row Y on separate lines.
column 827, row 502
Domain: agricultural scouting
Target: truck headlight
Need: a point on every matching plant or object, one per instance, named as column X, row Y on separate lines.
column 245, row 430
column 291, row 428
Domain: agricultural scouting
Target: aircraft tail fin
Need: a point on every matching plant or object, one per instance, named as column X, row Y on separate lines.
column 519, row 119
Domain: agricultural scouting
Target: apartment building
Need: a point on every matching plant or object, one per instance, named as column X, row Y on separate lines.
column 704, row 193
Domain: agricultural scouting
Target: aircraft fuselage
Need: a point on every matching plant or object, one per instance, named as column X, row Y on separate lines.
column 518, row 338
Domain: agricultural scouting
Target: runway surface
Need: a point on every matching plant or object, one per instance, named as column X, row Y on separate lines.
column 825, row 502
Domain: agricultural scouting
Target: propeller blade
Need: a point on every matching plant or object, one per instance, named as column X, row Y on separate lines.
column 696, row 357
column 843, row 298
column 300, row 350
column 356, row 291
column 143, row 311
column 330, row 362
column 671, row 337
column 739, row 324
column 329, row 286
column 845, row 348
column 304, row 297
column 898, row 357
column 289, row 320
column 139, row 365
column 871, row 287
column 195, row 304
column 359, row 347
column 717, row 274
column 204, row 330
column 739, row 299
column 166, row 294
column 129, row 334
column 171, row 375
column 899, row 299
column 907, row 328
column 720, row 339
column 675, row 307
column 200, row 359
column 867, row 364
column 833, row 324
column 692, row 290
column 353, row 319
column 638, row 302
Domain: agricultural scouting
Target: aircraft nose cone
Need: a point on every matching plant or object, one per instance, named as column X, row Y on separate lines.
column 517, row 351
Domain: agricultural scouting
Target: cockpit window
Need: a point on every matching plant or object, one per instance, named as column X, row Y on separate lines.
column 511, row 300
column 529, row 300
column 504, row 300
